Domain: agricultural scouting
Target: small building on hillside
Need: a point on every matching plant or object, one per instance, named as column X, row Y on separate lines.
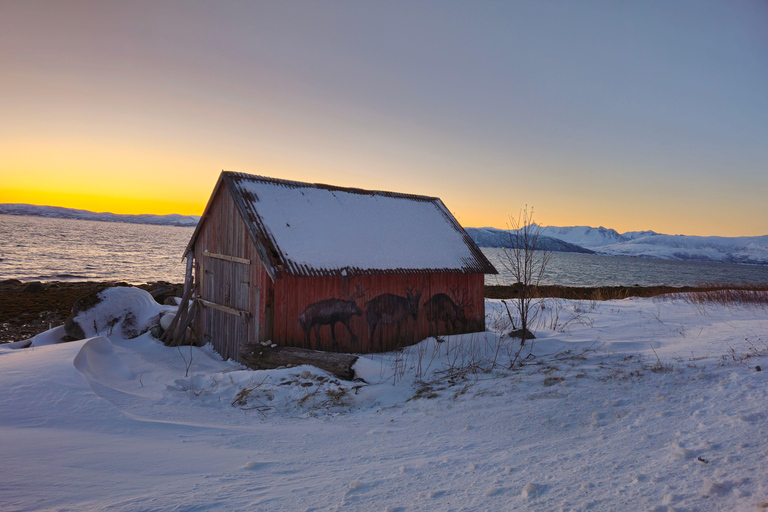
column 330, row 268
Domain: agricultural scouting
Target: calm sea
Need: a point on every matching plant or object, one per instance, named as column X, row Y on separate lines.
column 573, row 269
column 42, row 249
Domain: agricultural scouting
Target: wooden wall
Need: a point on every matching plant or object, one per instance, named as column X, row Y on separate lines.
column 232, row 284
column 294, row 295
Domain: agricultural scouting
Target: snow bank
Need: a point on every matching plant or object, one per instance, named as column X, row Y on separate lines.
column 636, row 404
column 97, row 360
column 49, row 337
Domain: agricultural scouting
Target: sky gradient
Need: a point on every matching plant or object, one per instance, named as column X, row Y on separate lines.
column 631, row 115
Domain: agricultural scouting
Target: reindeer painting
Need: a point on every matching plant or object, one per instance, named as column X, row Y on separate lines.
column 332, row 311
column 329, row 312
column 388, row 309
column 441, row 308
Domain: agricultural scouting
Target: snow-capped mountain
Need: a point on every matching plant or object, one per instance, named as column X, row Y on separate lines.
column 585, row 236
column 71, row 213
column 632, row 235
column 493, row 237
column 746, row 249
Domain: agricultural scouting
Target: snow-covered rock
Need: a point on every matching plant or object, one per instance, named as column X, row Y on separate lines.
column 124, row 312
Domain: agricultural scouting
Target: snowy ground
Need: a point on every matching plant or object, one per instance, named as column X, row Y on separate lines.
column 596, row 420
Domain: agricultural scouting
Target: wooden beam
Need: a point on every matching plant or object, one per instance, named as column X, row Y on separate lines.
column 260, row 357
column 225, row 309
column 233, row 259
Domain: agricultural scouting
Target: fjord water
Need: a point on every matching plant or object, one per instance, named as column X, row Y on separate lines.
column 48, row 249
column 575, row 269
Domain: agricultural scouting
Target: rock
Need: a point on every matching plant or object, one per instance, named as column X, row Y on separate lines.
column 9, row 282
column 165, row 320
column 163, row 291
column 519, row 334
column 34, row 287
column 124, row 312
column 73, row 329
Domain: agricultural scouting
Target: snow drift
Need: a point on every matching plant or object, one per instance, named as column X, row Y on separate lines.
column 639, row 403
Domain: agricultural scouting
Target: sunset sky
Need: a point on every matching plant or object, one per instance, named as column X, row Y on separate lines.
column 631, row 115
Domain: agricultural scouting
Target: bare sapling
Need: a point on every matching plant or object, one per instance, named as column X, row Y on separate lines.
column 525, row 259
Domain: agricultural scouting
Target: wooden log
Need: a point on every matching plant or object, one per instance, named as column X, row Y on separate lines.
column 260, row 357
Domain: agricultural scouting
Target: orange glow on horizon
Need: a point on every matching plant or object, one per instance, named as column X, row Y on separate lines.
column 104, row 177
column 103, row 204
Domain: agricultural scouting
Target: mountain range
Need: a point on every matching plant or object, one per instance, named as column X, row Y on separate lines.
column 600, row 240
column 577, row 239
column 58, row 212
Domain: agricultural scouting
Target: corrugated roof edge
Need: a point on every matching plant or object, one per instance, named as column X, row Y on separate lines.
column 236, row 176
column 275, row 262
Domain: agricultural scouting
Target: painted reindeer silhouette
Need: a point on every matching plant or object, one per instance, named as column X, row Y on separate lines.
column 441, row 308
column 330, row 312
column 387, row 309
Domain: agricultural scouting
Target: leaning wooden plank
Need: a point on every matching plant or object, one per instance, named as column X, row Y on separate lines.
column 183, row 338
column 260, row 357
column 171, row 333
column 225, row 257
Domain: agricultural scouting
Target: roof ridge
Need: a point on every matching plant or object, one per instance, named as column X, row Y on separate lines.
column 323, row 186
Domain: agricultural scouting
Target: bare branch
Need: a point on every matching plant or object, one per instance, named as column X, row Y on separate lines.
column 524, row 258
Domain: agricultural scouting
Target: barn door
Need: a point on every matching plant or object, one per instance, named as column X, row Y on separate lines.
column 225, row 293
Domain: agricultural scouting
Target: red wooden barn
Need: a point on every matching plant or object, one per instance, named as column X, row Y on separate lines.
column 331, row 268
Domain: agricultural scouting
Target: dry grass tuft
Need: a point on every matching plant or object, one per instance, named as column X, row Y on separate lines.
column 745, row 293
column 743, row 296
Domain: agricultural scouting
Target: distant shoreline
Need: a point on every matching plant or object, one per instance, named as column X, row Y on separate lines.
column 58, row 212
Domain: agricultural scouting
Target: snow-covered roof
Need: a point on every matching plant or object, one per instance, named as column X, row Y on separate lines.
column 310, row 229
